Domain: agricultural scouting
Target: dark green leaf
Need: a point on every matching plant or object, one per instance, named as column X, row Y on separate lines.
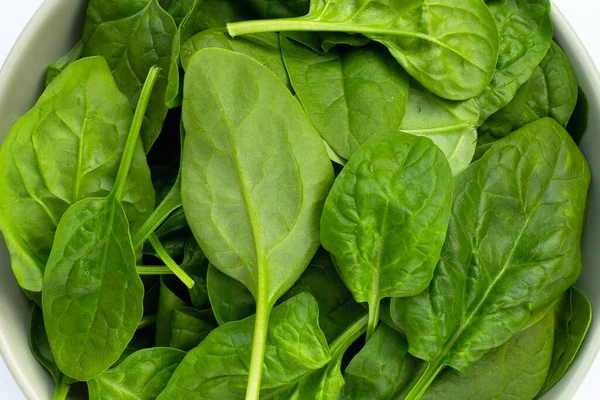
column 348, row 96
column 498, row 268
column 168, row 302
column 230, row 300
column 188, row 328
column 59, row 66
column 295, row 347
column 578, row 123
column 133, row 36
column 451, row 48
column 141, row 376
column 279, row 8
column 84, row 118
column 178, row 9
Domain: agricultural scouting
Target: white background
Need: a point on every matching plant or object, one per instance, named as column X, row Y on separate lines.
column 582, row 14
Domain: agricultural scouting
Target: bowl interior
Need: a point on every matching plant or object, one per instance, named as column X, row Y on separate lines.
column 56, row 28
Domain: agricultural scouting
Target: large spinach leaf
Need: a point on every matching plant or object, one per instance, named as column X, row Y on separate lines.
column 84, row 118
column 133, row 36
column 141, row 376
column 255, row 177
column 40, row 347
column 295, row 346
column 573, row 319
column 525, row 36
column 263, row 47
column 386, row 217
column 348, row 95
column 551, row 91
column 515, row 370
column 450, row 46
column 513, row 248
column 451, row 125
column 92, row 296
column 382, row 369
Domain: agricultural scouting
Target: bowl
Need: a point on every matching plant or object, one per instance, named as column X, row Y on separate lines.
column 57, row 26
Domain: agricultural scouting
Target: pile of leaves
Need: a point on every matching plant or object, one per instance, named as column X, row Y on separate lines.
column 288, row 199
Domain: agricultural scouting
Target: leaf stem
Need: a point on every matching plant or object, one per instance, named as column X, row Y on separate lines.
column 153, row 270
column 373, row 318
column 259, row 343
column 170, row 203
column 146, row 321
column 61, row 390
column 134, row 133
column 349, row 336
column 169, row 262
column 422, row 383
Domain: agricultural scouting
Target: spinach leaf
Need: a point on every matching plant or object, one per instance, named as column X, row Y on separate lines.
column 178, row 9
column 38, row 342
column 168, row 302
column 382, row 369
column 513, row 247
column 295, row 346
column 92, row 296
column 573, row 319
column 263, row 47
column 229, row 299
column 143, row 375
column 255, row 177
column 451, row 125
column 188, row 328
column 204, row 14
column 279, row 8
column 56, row 68
column 386, row 217
column 525, row 37
column 326, row 383
column 83, row 117
column 515, row 370
column 337, row 308
column 349, row 95
column 133, row 36
column 578, row 123
column 550, row 92
column 450, row 47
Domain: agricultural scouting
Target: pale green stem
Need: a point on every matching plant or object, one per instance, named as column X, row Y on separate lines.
column 259, row 344
column 422, row 383
column 169, row 262
column 146, row 321
column 134, row 134
column 153, row 270
column 61, row 390
column 373, row 318
column 349, row 336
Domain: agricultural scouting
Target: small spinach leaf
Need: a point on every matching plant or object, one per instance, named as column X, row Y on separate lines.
column 348, row 95
column 83, row 117
column 229, row 299
column 255, row 177
column 141, row 376
column 178, row 9
column 573, row 319
column 450, row 47
column 188, row 328
column 386, row 217
column 133, row 36
column 168, row 302
column 56, row 68
column 500, row 267
column 295, row 347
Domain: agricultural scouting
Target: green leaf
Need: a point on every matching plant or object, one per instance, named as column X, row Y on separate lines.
column 178, row 9
column 168, row 302
column 188, row 328
column 59, row 66
column 141, row 376
column 382, row 369
column 451, row 48
column 133, row 36
column 515, row 370
column 337, row 308
column 229, row 299
column 295, row 347
column 573, row 319
column 279, row 8
column 451, row 125
column 526, row 32
column 578, row 123
column 551, row 92
column 263, row 47
column 513, row 248
column 386, row 217
column 84, row 118
column 40, row 347
column 255, row 177
column 348, row 95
